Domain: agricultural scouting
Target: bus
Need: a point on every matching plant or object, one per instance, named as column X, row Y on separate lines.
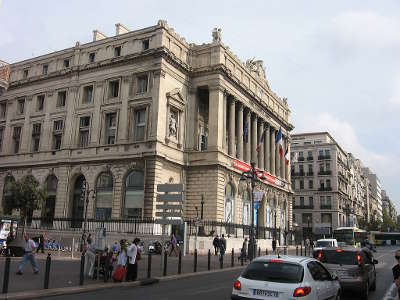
column 351, row 236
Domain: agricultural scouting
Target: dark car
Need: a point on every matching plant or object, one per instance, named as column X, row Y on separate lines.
column 355, row 268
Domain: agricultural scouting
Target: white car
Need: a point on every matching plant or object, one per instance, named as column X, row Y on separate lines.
column 286, row 277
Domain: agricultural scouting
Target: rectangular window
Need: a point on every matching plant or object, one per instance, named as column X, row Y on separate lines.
column 203, row 138
column 84, row 125
column 1, row 137
column 26, row 73
column 3, row 110
column 58, row 129
column 328, row 166
column 45, row 69
column 310, row 169
column 16, row 138
column 328, row 183
column 321, row 184
column 142, row 84
column 301, row 154
column 307, row 218
column 140, row 124
column 21, row 106
column 328, row 200
column 326, row 218
column 92, row 57
column 301, row 169
column 301, row 201
column 66, row 63
column 145, row 44
column 310, row 184
column 113, row 89
column 87, row 94
column 117, row 51
column 61, row 98
column 301, row 184
column 111, row 128
column 310, row 201
column 327, row 152
column 293, row 184
column 36, row 128
column 322, row 200
column 321, row 167
column 40, row 103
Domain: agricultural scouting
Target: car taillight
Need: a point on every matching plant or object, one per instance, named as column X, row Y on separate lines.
column 275, row 261
column 319, row 255
column 359, row 260
column 339, row 250
column 237, row 285
column 302, row 291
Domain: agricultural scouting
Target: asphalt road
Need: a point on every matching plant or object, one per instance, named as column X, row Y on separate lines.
column 219, row 285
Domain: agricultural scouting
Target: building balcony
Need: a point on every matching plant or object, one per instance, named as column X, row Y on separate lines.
column 325, row 189
column 303, row 206
column 310, row 158
column 297, row 174
column 325, row 206
column 325, row 173
column 300, row 158
column 322, row 157
column 310, row 173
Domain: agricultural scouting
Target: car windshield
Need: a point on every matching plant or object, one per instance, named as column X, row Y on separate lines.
column 339, row 257
column 324, row 244
column 274, row 272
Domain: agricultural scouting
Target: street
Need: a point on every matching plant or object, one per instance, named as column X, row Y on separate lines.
column 219, row 285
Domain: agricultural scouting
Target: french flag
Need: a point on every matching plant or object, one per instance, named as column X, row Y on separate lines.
column 279, row 142
column 287, row 156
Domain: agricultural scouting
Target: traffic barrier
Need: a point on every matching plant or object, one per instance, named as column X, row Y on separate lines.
column 6, row 274
column 209, row 260
column 165, row 263
column 195, row 261
column 149, row 265
column 47, row 272
column 81, row 275
column 180, row 262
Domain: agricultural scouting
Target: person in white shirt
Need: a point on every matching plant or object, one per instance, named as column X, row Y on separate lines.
column 29, row 250
column 131, row 274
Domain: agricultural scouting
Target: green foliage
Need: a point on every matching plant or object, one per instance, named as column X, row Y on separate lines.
column 26, row 195
column 372, row 225
column 388, row 222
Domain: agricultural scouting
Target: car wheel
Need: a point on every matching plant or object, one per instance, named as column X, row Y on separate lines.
column 373, row 286
column 365, row 293
column 338, row 295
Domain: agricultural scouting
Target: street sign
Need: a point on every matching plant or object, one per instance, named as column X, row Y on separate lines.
column 170, row 188
column 169, row 204
column 169, row 198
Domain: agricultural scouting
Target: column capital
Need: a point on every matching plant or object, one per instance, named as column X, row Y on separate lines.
column 217, row 87
column 241, row 106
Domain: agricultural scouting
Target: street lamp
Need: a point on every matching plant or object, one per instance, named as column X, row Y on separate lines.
column 253, row 176
column 85, row 189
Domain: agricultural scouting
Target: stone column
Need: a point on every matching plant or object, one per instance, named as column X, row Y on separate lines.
column 216, row 111
column 254, row 140
column 272, row 154
column 225, row 138
column 239, row 125
column 277, row 159
column 287, row 174
column 123, row 130
column 267, row 148
column 247, row 154
column 261, row 149
column 231, row 141
column 283, row 164
column 71, row 123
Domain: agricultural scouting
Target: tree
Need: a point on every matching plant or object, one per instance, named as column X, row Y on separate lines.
column 388, row 222
column 26, row 195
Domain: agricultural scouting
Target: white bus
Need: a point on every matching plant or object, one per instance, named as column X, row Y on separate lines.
column 351, row 236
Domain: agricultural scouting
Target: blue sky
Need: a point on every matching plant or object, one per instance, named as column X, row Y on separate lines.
column 337, row 62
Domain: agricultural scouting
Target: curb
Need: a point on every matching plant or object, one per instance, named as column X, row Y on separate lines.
column 102, row 286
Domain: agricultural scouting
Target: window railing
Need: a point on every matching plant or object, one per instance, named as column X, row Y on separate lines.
column 327, row 188
column 310, row 206
column 325, row 206
column 322, row 157
column 310, row 173
column 325, row 173
column 310, row 158
column 301, row 158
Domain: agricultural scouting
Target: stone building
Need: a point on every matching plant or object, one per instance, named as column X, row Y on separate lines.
column 329, row 191
column 375, row 195
column 388, row 206
column 122, row 114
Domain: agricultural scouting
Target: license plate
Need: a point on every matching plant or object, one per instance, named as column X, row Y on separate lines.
column 266, row 293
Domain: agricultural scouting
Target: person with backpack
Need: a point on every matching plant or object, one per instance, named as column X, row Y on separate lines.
column 216, row 244
column 133, row 257
column 222, row 247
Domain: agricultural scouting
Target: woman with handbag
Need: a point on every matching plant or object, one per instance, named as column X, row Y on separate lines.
column 120, row 270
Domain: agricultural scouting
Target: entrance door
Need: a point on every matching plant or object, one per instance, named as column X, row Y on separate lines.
column 78, row 202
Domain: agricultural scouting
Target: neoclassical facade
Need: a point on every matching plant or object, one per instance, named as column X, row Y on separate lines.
column 125, row 113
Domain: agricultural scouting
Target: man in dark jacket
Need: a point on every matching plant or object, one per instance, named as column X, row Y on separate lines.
column 216, row 244
column 396, row 271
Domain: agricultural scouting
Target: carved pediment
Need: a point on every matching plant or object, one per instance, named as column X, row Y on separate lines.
column 176, row 95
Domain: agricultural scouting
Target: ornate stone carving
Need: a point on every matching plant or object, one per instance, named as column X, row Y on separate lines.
column 216, row 35
column 256, row 66
column 173, row 124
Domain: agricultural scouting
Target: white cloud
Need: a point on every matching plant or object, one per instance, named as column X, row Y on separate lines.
column 395, row 98
column 363, row 29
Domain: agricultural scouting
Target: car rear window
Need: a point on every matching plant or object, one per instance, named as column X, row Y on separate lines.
column 324, row 244
column 274, row 272
column 339, row 257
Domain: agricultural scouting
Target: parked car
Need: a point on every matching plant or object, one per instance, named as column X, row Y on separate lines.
column 286, row 277
column 355, row 268
column 324, row 243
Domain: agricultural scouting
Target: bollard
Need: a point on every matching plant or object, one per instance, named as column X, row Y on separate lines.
column 195, row 261
column 233, row 258
column 180, row 262
column 285, row 250
column 209, row 260
column 81, row 275
column 6, row 275
column 165, row 263
column 266, row 251
column 221, row 261
column 149, row 265
column 259, row 251
column 47, row 272
column 297, row 250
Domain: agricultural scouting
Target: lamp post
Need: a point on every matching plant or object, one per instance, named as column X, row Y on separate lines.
column 86, row 189
column 253, row 176
column 308, row 227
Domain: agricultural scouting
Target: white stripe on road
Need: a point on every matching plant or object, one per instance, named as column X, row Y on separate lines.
column 391, row 293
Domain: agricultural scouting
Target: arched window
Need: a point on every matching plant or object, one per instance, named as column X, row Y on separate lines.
column 229, row 203
column 134, row 194
column 78, row 202
column 50, row 204
column 246, row 208
column 104, row 193
column 7, row 192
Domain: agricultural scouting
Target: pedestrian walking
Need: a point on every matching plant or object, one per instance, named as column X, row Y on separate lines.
column 222, row 247
column 173, row 245
column 396, row 272
column 115, row 248
column 89, row 239
column 273, row 245
column 29, row 254
column 243, row 252
column 41, row 243
column 90, row 258
column 133, row 257
column 216, row 244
